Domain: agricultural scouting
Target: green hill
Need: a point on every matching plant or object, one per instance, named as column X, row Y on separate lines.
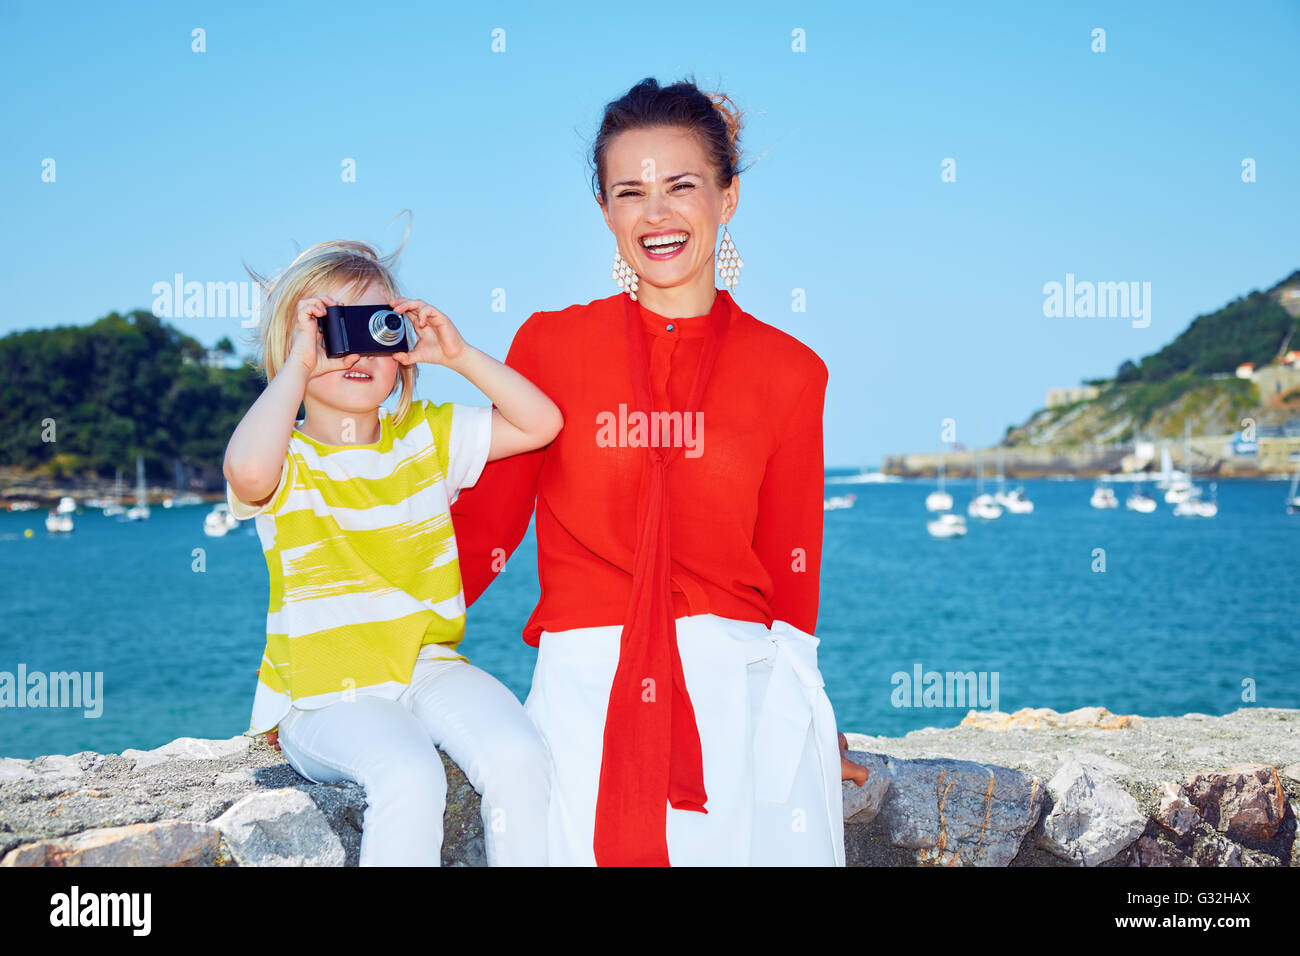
column 125, row 385
column 1190, row 379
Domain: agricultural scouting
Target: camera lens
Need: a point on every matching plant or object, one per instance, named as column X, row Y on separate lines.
column 386, row 327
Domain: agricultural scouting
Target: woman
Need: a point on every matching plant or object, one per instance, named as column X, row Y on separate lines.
column 676, row 683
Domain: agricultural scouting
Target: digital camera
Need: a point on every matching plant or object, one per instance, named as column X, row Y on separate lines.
column 365, row 330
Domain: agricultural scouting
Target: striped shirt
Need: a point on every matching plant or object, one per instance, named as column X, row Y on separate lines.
column 364, row 571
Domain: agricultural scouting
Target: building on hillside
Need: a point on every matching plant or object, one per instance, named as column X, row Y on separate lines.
column 1246, row 370
column 1068, row 396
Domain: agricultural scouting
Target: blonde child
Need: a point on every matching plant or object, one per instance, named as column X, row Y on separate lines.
column 361, row 675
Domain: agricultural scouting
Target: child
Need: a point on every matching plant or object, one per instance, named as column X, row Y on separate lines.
column 361, row 671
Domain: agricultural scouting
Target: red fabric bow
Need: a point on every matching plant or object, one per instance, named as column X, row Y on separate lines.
column 651, row 752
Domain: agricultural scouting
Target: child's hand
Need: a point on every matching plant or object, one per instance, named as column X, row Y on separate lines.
column 308, row 343
column 438, row 341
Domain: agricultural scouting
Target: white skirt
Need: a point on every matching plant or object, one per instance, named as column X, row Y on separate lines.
column 767, row 733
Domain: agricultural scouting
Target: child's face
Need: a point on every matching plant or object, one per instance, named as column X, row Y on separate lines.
column 364, row 386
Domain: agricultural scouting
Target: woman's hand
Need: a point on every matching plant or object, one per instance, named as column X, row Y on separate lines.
column 850, row 770
column 437, row 340
column 308, row 343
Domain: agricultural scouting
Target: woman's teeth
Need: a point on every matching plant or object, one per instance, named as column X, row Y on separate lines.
column 359, row 376
column 666, row 244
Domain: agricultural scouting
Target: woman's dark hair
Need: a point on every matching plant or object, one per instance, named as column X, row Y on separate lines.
column 712, row 117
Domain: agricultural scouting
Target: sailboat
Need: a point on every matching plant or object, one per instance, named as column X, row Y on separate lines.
column 947, row 525
column 939, row 500
column 1103, row 498
column 1292, row 499
column 218, row 522
column 140, row 510
column 1140, row 501
column 983, row 505
column 1180, row 485
column 182, row 498
column 1014, row 501
column 114, row 507
column 1193, row 507
column 58, row 522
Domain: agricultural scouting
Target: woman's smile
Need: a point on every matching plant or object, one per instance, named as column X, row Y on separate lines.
column 665, row 244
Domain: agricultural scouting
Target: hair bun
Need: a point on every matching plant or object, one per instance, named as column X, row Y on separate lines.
column 731, row 116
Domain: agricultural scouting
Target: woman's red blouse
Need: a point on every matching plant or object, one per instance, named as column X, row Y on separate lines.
column 746, row 525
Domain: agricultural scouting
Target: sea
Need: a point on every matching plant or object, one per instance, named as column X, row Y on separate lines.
column 1066, row 607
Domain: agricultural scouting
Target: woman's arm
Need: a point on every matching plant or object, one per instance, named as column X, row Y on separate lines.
column 490, row 518
column 788, row 531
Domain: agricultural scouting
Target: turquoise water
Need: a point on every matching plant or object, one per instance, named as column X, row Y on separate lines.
column 1184, row 612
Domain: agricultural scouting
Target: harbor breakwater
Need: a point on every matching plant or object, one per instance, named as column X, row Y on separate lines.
column 1034, row 788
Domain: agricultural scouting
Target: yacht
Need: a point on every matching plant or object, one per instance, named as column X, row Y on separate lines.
column 834, row 503
column 219, row 522
column 140, row 510
column 1293, row 499
column 939, row 500
column 1195, row 507
column 67, row 505
column 983, row 505
column 1103, row 498
column 1014, row 501
column 57, row 522
column 113, row 506
column 1140, row 501
column 946, row 525
column 182, row 498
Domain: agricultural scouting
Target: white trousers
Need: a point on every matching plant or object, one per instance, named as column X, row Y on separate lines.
column 767, row 732
column 387, row 746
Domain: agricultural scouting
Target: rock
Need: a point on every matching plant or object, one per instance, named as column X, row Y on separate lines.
column 1043, row 718
column 12, row 770
column 57, row 798
column 170, row 843
column 234, row 778
column 863, row 803
column 1242, row 803
column 1092, row 817
column 279, row 828
column 188, row 748
column 57, row 768
column 955, row 812
column 1176, row 814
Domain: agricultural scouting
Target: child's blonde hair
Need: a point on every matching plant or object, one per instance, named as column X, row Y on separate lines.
column 338, row 263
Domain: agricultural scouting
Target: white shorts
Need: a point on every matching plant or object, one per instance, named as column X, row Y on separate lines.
column 767, row 733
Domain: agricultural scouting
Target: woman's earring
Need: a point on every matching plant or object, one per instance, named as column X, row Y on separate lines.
column 623, row 275
column 729, row 263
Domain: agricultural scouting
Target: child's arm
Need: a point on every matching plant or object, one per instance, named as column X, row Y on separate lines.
column 255, row 455
column 524, row 417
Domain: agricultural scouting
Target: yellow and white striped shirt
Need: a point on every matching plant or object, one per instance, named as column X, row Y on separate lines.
column 362, row 559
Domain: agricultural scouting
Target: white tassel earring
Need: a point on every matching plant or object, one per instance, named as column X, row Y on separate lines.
column 729, row 262
column 623, row 275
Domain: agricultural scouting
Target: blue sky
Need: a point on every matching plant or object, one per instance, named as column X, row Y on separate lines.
column 924, row 297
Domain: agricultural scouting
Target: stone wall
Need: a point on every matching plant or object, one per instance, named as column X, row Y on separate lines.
column 1035, row 788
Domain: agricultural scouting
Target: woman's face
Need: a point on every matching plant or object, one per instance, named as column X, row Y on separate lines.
column 364, row 386
column 663, row 204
